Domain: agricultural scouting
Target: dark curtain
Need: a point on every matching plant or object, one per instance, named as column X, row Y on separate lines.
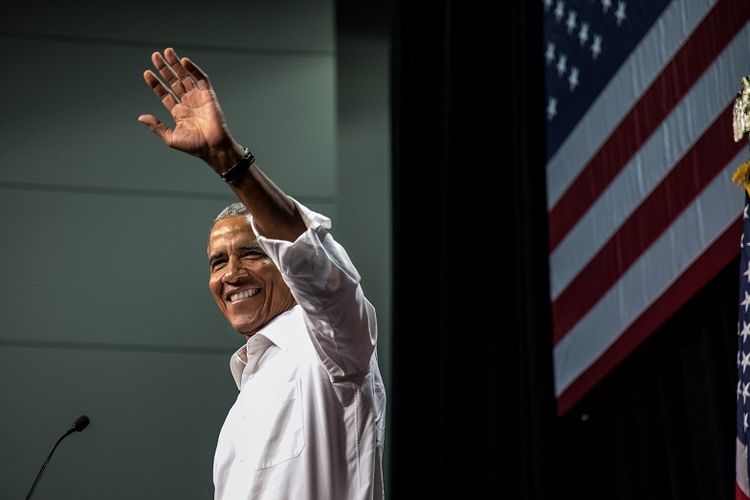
column 472, row 404
column 472, row 380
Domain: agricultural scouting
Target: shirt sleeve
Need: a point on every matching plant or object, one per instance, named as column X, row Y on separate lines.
column 340, row 320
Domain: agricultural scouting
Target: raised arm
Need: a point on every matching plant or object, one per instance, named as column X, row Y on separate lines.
column 201, row 130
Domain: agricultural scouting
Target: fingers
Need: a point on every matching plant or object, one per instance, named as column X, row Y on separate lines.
column 168, row 75
column 167, row 97
column 200, row 77
column 187, row 81
column 156, row 126
column 180, row 76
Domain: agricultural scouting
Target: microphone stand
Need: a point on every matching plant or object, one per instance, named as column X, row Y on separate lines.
column 81, row 423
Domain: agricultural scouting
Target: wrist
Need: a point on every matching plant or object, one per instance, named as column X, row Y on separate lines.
column 236, row 172
column 220, row 159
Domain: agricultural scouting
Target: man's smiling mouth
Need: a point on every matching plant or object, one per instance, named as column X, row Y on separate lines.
column 243, row 294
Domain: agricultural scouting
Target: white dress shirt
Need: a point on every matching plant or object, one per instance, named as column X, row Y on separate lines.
column 309, row 421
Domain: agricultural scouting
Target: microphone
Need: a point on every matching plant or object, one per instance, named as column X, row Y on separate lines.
column 80, row 423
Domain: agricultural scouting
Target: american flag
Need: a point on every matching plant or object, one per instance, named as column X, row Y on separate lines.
column 640, row 153
column 743, row 360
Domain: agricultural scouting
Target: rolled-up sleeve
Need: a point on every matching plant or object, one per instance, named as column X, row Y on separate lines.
column 341, row 321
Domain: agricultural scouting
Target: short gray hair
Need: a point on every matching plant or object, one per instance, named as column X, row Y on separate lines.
column 235, row 208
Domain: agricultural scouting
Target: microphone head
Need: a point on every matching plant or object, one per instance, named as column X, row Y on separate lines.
column 81, row 423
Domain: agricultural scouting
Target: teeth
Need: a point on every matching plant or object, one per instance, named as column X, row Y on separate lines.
column 243, row 295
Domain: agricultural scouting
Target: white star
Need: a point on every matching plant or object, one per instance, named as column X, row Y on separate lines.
column 745, row 331
column 745, row 422
column 620, row 14
column 551, row 109
column 583, row 35
column 745, row 361
column 596, row 47
column 571, row 24
column 739, row 389
column 547, row 5
column 745, row 393
column 549, row 55
column 606, row 4
column 744, row 213
column 573, row 82
column 562, row 63
column 747, row 273
column 559, row 10
column 746, row 301
column 742, row 240
column 738, row 359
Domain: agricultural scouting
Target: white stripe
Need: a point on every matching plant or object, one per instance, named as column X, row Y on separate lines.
column 741, row 468
column 684, row 241
column 669, row 143
column 643, row 66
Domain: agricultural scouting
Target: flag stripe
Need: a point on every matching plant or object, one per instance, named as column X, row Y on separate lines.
column 703, row 103
column 708, row 40
column 694, row 171
column 741, row 483
column 634, row 77
column 654, row 272
column 716, row 256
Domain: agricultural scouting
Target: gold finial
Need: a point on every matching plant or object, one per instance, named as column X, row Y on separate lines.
column 740, row 176
column 741, row 113
column 741, row 126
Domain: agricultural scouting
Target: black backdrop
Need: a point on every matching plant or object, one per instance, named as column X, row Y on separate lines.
column 472, row 406
column 472, row 379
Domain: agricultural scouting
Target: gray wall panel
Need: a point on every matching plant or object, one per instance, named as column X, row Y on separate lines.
column 155, row 418
column 107, row 268
column 363, row 174
column 291, row 25
column 70, row 117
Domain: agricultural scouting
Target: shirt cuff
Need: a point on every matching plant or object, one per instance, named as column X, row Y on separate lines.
column 311, row 254
column 313, row 220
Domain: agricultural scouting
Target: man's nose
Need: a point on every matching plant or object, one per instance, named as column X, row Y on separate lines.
column 234, row 271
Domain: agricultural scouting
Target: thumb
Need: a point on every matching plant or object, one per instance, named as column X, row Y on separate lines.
column 156, row 126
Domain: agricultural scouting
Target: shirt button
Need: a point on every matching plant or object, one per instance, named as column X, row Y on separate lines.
column 242, row 460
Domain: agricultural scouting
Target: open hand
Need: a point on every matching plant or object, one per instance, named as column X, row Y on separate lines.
column 200, row 128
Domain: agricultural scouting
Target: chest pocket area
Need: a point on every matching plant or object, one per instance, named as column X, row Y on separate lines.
column 277, row 425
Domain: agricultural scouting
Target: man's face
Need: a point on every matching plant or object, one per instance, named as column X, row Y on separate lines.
column 244, row 282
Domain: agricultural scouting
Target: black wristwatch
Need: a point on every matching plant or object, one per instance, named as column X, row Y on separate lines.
column 236, row 171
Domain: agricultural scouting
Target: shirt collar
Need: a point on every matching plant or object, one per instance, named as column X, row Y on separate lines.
column 278, row 331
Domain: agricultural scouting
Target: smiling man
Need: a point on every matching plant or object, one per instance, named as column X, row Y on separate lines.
column 309, row 419
column 245, row 283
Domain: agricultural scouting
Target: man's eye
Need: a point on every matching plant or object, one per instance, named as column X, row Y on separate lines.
column 218, row 264
column 253, row 254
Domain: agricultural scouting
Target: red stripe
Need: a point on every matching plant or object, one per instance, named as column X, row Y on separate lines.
column 705, row 160
column 718, row 255
column 738, row 493
column 696, row 55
